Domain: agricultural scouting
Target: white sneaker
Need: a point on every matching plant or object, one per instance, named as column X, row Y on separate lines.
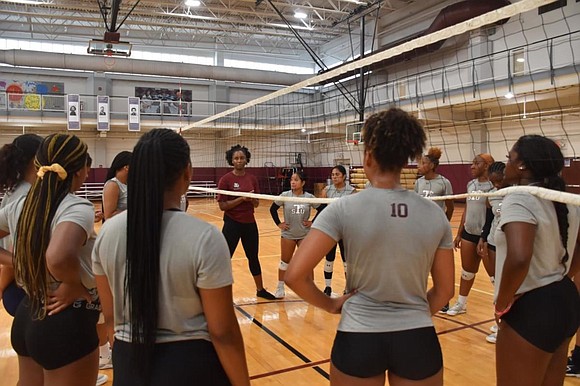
column 493, row 329
column 102, row 379
column 106, row 361
column 457, row 309
column 280, row 293
column 491, row 338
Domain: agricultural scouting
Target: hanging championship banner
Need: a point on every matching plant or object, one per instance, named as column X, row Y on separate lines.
column 103, row 119
column 134, row 114
column 73, row 112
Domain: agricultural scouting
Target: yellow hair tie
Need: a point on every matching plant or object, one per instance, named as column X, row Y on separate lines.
column 56, row 168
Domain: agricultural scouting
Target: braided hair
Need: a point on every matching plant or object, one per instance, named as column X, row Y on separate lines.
column 41, row 203
column 159, row 159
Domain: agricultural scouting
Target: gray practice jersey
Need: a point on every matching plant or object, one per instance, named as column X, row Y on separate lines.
column 546, row 264
column 436, row 187
column 388, row 264
column 193, row 255
column 9, row 197
column 295, row 213
column 122, row 200
column 71, row 209
column 475, row 207
column 495, row 203
column 333, row 192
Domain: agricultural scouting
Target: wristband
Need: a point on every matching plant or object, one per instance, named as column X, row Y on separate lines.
column 499, row 314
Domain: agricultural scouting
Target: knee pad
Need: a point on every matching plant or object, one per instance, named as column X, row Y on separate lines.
column 283, row 266
column 328, row 266
column 467, row 275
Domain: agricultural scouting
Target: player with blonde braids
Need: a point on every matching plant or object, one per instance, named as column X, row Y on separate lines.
column 54, row 330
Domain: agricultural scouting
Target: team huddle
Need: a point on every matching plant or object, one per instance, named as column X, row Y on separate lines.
column 160, row 280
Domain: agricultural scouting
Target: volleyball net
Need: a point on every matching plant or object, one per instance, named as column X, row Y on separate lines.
column 476, row 86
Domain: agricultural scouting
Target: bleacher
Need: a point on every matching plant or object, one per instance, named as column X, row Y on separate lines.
column 93, row 191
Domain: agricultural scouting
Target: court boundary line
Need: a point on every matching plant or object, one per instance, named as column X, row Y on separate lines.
column 285, row 344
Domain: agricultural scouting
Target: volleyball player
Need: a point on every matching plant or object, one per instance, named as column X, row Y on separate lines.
column 166, row 279
column 538, row 250
column 433, row 184
column 115, row 189
column 486, row 244
column 470, row 229
column 295, row 226
column 239, row 221
column 17, row 174
column 339, row 188
column 386, row 320
column 54, row 330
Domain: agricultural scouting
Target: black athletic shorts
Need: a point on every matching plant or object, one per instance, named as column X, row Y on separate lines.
column 546, row 316
column 56, row 340
column 11, row 297
column 491, row 247
column 182, row 363
column 411, row 354
column 469, row 237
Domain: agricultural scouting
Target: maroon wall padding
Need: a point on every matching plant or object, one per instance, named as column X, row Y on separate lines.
column 571, row 175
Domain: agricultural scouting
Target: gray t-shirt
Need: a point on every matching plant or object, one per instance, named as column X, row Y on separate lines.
column 333, row 192
column 387, row 264
column 71, row 209
column 475, row 207
column 295, row 213
column 546, row 264
column 194, row 255
column 9, row 197
column 495, row 203
column 122, row 200
column 436, row 187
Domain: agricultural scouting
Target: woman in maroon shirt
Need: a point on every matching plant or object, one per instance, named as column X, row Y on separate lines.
column 239, row 221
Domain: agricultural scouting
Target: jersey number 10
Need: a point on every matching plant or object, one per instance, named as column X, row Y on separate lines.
column 399, row 210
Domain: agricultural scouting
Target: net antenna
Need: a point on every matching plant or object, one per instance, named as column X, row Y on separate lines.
column 111, row 45
column 443, row 34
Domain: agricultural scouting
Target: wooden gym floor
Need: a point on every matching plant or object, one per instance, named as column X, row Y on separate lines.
column 288, row 342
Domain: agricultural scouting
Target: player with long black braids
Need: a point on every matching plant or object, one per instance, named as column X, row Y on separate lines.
column 166, row 280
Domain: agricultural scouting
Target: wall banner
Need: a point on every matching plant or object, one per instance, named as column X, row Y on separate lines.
column 103, row 116
column 73, row 112
column 134, row 114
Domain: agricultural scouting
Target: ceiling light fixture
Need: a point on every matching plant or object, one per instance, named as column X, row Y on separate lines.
column 193, row 3
column 520, row 60
column 509, row 95
column 300, row 15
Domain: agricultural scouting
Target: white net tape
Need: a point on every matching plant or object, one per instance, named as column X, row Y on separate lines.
column 548, row 194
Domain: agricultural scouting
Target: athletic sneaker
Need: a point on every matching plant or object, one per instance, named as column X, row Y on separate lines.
column 491, row 338
column 328, row 291
column 493, row 328
column 265, row 294
column 444, row 309
column 573, row 371
column 280, row 293
column 106, row 362
column 457, row 309
column 102, row 379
